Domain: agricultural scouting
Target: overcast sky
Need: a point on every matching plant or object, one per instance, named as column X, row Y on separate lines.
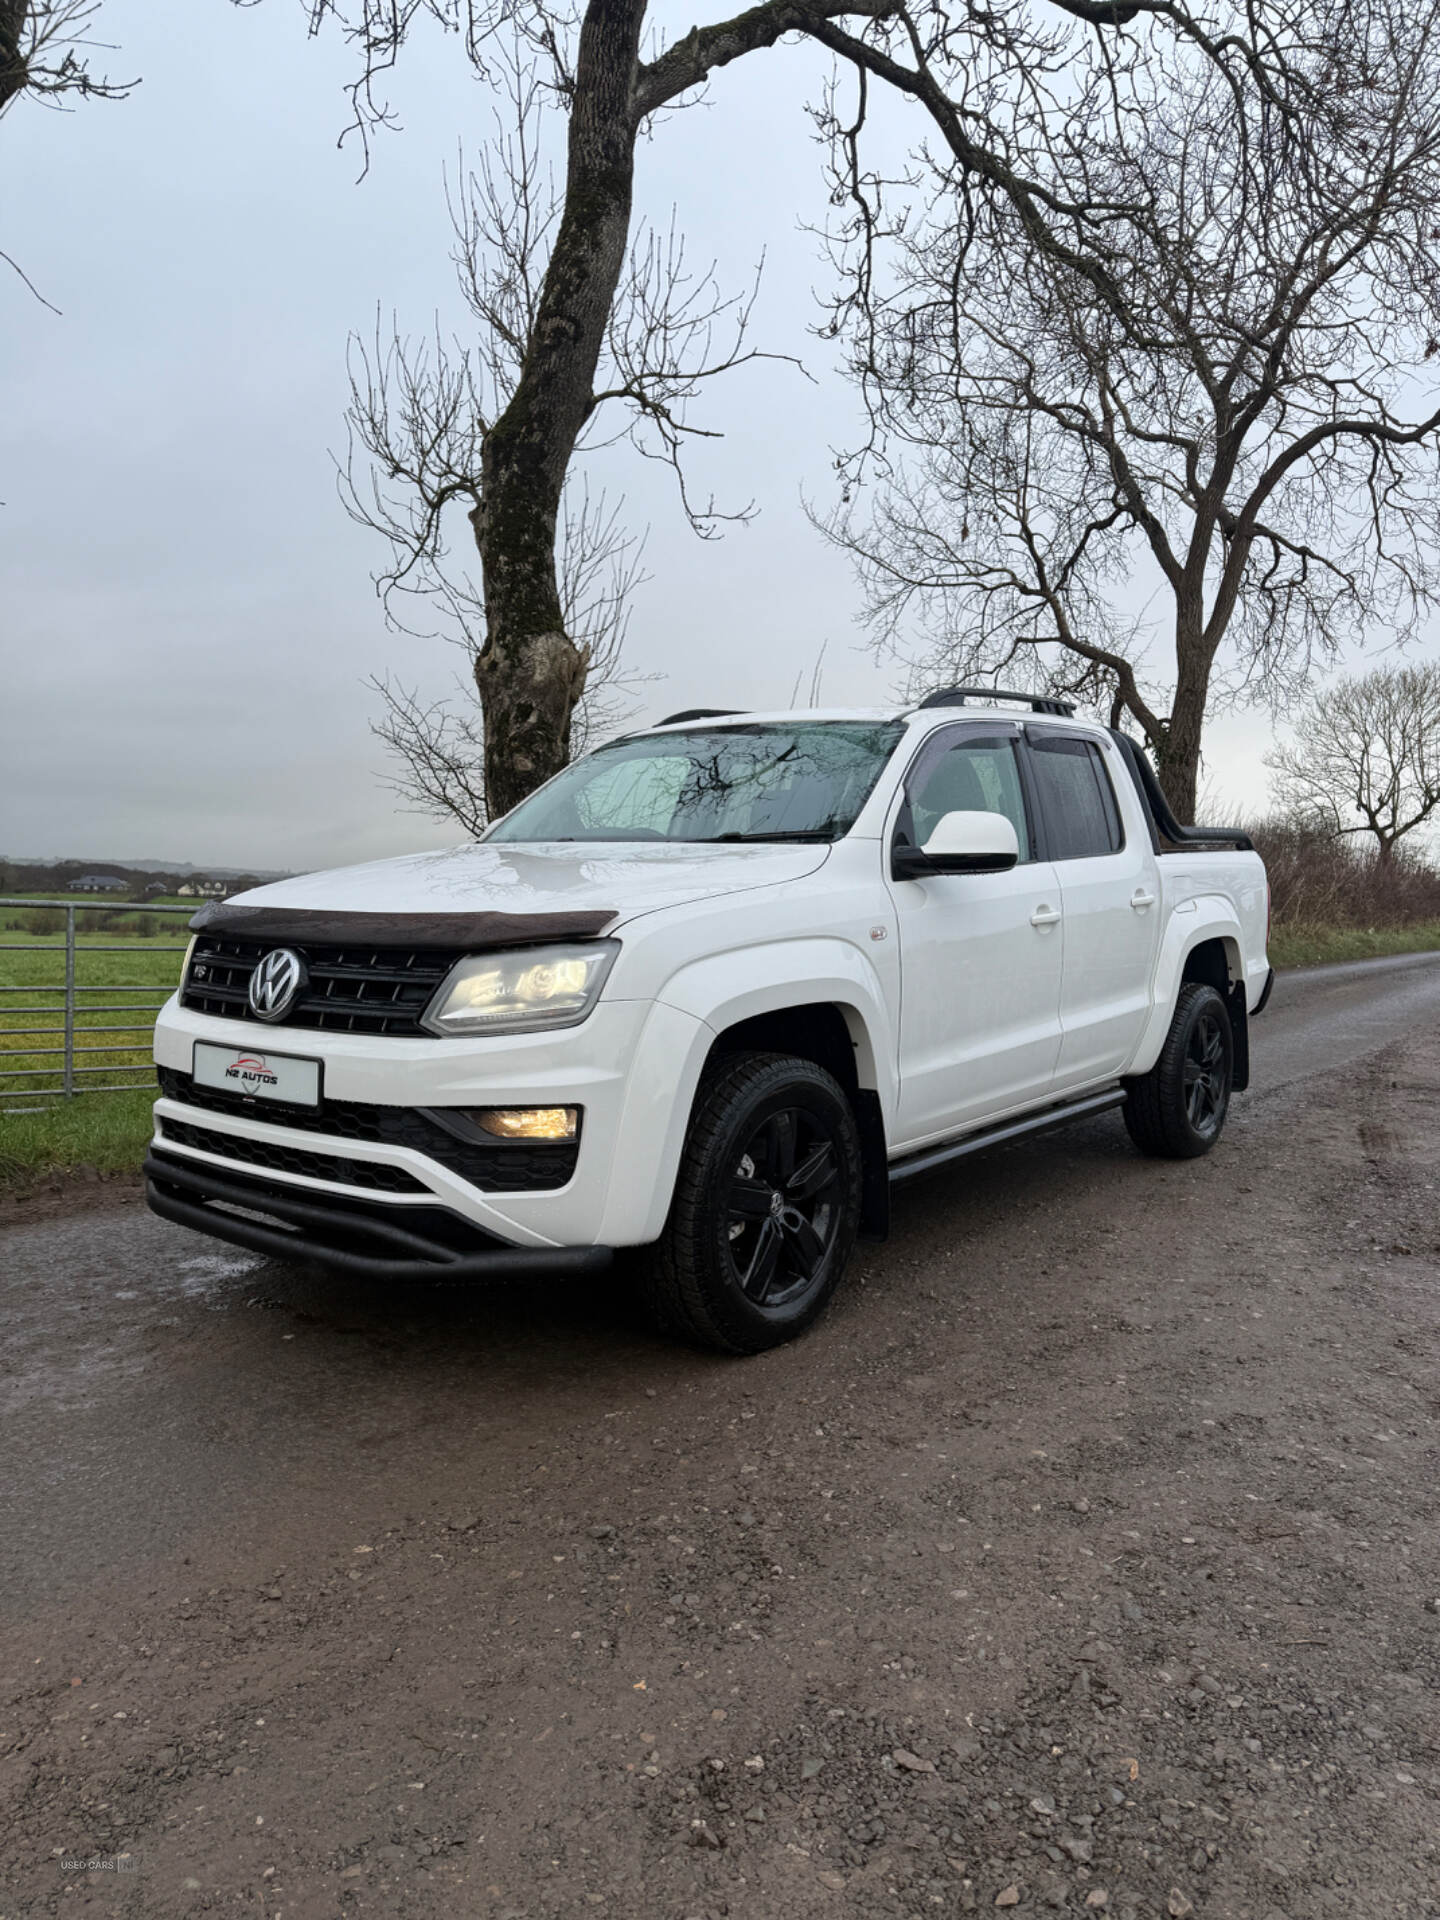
column 187, row 620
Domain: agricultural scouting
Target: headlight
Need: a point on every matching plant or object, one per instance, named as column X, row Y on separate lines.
column 520, row 992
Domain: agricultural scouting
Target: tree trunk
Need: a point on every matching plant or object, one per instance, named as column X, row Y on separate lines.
column 530, row 674
column 1179, row 756
column 12, row 67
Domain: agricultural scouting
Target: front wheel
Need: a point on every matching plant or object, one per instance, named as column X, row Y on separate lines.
column 1176, row 1110
column 766, row 1206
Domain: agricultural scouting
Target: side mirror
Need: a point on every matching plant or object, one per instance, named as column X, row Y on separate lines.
column 960, row 843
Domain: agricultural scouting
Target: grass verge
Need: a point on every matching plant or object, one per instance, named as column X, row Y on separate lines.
column 1302, row 946
column 109, row 1131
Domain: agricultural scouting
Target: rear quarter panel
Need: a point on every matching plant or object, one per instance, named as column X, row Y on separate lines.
column 1217, row 895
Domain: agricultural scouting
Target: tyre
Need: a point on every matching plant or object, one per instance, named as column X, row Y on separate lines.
column 766, row 1206
column 1176, row 1110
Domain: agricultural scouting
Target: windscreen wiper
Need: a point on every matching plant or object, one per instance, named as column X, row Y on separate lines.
column 798, row 833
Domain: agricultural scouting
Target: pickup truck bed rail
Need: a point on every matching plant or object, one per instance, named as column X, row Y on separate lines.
column 1163, row 824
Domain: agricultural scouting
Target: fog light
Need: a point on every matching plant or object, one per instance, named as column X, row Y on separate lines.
column 528, row 1123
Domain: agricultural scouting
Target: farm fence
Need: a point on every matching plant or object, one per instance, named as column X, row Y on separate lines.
column 67, row 1041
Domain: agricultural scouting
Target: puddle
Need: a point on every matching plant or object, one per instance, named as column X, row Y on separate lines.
column 204, row 1271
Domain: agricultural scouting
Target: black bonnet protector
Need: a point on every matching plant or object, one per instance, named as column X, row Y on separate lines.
column 473, row 931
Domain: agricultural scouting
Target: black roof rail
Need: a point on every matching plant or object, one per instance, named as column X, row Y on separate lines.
column 1037, row 702
column 699, row 713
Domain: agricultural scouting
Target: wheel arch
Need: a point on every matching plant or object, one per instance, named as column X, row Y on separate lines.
column 822, row 999
column 1216, row 962
column 810, row 983
column 834, row 1035
column 1201, row 943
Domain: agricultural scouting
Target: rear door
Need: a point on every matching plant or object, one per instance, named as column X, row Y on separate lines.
column 1109, row 893
column 980, row 993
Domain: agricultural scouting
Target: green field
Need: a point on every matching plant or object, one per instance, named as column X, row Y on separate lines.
column 118, row 990
column 92, row 914
column 104, row 902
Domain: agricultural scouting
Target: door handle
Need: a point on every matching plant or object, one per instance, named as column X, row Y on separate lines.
column 1044, row 916
column 1140, row 900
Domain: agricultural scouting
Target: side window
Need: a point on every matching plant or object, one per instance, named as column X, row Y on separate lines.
column 975, row 776
column 1081, row 817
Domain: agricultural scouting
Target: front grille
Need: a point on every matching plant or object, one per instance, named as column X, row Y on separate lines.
column 501, row 1168
column 352, row 989
column 373, row 1175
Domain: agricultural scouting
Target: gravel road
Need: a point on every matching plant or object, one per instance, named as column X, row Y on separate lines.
column 1086, row 1559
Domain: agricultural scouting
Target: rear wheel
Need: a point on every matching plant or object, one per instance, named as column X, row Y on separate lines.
column 766, row 1206
column 1177, row 1110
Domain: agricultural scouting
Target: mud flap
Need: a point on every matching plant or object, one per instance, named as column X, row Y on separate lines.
column 1240, row 1034
column 875, row 1179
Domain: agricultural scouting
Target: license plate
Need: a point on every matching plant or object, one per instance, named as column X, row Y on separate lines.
column 259, row 1076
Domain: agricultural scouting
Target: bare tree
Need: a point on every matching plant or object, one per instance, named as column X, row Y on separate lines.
column 439, row 745
column 510, row 464
column 572, row 316
column 45, row 51
column 421, row 411
column 1151, row 417
column 1368, row 746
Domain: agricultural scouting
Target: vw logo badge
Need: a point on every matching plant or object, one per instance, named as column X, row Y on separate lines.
column 276, row 983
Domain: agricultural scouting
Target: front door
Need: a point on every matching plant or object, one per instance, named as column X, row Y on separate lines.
column 981, row 952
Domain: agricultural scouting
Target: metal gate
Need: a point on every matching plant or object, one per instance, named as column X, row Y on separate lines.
column 68, row 1043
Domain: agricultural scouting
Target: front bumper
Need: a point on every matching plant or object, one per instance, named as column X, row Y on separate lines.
column 357, row 1237
column 632, row 1067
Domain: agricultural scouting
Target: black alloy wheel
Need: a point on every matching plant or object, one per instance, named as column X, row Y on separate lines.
column 1178, row 1108
column 1207, row 1072
column 766, row 1205
column 784, row 1205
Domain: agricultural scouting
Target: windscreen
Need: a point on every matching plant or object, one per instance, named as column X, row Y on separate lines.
column 805, row 780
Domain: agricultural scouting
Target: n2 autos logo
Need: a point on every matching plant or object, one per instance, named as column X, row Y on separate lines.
column 252, row 1070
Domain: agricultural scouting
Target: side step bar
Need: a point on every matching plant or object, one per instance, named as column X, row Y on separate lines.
column 928, row 1158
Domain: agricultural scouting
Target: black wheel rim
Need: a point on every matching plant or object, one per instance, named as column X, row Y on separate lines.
column 783, row 1206
column 1207, row 1074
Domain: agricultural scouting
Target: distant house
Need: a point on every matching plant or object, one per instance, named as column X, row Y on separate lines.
column 155, row 888
column 98, row 883
column 203, row 889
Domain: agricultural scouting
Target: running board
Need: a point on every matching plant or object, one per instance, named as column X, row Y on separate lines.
column 931, row 1157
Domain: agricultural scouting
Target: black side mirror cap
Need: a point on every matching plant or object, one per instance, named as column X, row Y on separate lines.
column 913, row 863
column 909, row 863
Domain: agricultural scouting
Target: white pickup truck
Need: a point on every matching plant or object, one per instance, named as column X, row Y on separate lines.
column 710, row 993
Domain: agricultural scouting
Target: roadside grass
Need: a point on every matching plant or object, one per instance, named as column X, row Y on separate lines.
column 109, row 1131
column 1311, row 946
